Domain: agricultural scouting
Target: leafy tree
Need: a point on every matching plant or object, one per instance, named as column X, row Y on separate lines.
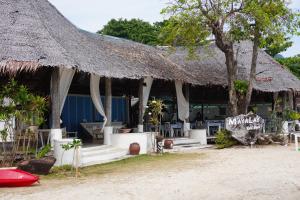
column 134, row 29
column 230, row 21
column 292, row 63
column 275, row 44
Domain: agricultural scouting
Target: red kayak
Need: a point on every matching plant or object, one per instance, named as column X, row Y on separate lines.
column 16, row 178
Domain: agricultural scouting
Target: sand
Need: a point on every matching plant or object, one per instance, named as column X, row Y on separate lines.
column 271, row 172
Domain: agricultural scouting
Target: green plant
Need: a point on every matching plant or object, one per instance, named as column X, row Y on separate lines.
column 293, row 115
column 44, row 151
column 155, row 111
column 241, row 86
column 75, row 144
column 224, row 139
column 25, row 108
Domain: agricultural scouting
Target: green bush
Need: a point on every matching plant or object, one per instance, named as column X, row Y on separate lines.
column 224, row 139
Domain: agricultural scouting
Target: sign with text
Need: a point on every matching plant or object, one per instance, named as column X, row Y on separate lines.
column 245, row 128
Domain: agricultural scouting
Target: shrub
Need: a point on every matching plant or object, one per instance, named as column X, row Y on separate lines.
column 224, row 139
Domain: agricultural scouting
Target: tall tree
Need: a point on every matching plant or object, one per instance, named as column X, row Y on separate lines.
column 134, row 29
column 230, row 21
column 292, row 63
column 275, row 44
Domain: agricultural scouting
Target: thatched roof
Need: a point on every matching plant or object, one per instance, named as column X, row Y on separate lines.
column 210, row 69
column 34, row 34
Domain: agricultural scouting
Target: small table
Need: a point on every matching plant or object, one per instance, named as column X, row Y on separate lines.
column 297, row 135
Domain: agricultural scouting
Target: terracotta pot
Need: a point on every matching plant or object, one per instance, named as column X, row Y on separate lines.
column 168, row 144
column 134, row 149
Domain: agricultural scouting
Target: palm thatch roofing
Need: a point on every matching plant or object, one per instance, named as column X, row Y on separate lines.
column 34, row 34
column 210, row 69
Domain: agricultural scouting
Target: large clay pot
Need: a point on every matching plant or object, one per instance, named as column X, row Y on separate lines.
column 168, row 144
column 134, row 149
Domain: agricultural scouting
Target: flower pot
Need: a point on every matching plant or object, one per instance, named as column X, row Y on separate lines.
column 168, row 144
column 134, row 149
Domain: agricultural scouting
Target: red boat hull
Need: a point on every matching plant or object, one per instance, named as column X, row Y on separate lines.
column 16, row 178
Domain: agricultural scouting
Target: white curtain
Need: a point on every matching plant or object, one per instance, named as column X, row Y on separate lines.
column 183, row 107
column 66, row 77
column 96, row 98
column 182, row 103
column 146, row 91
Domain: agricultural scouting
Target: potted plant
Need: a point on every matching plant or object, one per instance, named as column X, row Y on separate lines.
column 154, row 110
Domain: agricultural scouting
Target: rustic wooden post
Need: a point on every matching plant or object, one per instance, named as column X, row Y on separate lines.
column 291, row 100
column 187, row 97
column 55, row 98
column 141, row 104
column 108, row 100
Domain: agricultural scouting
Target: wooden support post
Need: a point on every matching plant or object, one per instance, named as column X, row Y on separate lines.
column 141, row 101
column 108, row 100
column 291, row 100
column 55, row 98
column 187, row 97
column 128, row 105
column 274, row 103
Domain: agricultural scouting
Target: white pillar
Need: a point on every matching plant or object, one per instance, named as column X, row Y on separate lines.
column 55, row 134
column 140, row 128
column 108, row 131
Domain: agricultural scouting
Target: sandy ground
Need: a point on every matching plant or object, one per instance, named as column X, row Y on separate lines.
column 238, row 173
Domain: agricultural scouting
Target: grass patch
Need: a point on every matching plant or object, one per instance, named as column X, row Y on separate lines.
column 141, row 162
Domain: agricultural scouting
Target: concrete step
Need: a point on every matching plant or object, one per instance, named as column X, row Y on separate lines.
column 95, row 148
column 184, row 141
column 190, row 147
column 98, row 162
column 101, row 155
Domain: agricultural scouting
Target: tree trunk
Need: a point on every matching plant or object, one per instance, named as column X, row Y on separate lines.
column 231, row 77
column 252, row 72
column 141, row 101
column 55, row 104
column 108, row 100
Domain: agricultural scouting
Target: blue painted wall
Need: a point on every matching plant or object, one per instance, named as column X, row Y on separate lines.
column 80, row 108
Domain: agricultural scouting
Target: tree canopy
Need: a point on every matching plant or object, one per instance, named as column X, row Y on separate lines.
column 228, row 22
column 133, row 29
column 292, row 63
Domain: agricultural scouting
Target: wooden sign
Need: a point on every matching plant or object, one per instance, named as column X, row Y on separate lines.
column 245, row 128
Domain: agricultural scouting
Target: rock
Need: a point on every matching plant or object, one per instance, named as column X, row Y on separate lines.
column 38, row 166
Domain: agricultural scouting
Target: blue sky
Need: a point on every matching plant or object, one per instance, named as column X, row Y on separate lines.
column 91, row 15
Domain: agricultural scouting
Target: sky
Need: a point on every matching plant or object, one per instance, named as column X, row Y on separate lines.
column 92, row 15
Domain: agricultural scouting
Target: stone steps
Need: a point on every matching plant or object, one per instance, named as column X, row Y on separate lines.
column 102, row 154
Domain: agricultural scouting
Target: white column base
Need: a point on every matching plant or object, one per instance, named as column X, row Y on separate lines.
column 186, row 129
column 140, row 128
column 108, row 131
column 55, row 134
